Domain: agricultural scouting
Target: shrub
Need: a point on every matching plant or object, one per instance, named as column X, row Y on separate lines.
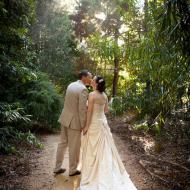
column 43, row 102
column 117, row 106
column 27, row 98
column 11, row 117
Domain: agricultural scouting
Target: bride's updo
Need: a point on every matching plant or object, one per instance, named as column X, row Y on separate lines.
column 101, row 84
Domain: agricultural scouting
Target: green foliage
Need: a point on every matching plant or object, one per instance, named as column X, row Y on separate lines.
column 176, row 25
column 11, row 117
column 43, row 102
column 142, row 127
column 153, row 53
column 117, row 106
column 29, row 138
column 15, row 20
column 158, row 62
column 33, row 91
column 155, row 128
column 57, row 49
column 99, row 24
column 28, row 97
column 13, row 113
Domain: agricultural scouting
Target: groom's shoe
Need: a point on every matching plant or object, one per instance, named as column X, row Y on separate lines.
column 76, row 173
column 62, row 170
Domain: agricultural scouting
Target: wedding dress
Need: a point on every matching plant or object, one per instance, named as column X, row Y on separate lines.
column 100, row 163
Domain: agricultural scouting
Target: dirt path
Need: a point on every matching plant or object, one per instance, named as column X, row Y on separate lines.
column 41, row 176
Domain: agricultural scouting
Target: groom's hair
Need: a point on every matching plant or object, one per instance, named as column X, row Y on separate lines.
column 83, row 73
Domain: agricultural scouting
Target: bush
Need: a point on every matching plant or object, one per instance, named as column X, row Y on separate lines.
column 11, row 117
column 33, row 92
column 117, row 106
column 43, row 102
column 28, row 99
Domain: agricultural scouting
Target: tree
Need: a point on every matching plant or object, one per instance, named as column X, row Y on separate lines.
column 55, row 44
column 104, row 18
column 23, row 89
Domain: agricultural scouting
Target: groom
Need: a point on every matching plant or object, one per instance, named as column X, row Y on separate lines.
column 73, row 119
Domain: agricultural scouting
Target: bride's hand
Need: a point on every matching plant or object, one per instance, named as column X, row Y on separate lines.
column 85, row 129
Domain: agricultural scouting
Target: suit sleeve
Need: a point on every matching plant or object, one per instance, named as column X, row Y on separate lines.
column 83, row 97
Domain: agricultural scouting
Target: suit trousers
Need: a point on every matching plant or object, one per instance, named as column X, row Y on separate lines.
column 70, row 138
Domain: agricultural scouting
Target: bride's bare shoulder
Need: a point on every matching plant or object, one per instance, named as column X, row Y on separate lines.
column 92, row 93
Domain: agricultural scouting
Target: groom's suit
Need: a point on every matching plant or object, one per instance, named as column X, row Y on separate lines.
column 72, row 119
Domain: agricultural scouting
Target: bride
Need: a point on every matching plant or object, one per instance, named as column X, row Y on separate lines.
column 100, row 163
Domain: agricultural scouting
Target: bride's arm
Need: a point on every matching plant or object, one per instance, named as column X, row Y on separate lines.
column 89, row 113
column 106, row 109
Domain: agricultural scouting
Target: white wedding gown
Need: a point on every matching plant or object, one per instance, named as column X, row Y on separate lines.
column 100, row 163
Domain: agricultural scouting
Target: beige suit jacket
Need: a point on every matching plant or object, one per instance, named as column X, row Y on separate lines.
column 74, row 112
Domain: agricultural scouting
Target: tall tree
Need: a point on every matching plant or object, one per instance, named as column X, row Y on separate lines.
column 104, row 18
column 55, row 44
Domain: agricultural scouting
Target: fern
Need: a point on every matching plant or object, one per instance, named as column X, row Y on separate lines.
column 10, row 115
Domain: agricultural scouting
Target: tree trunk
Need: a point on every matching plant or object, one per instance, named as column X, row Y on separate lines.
column 116, row 66
column 146, row 16
column 116, row 76
column 148, row 85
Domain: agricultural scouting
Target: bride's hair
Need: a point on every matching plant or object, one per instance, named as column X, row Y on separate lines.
column 101, row 84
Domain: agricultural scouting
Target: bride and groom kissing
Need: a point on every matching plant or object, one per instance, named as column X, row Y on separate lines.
column 85, row 131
